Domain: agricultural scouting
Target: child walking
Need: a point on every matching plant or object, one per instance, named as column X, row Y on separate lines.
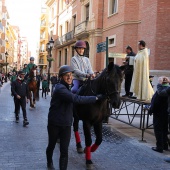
column 44, row 86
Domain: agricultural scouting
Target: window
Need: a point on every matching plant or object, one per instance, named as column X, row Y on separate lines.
column 52, row 13
column 61, row 5
column 74, row 22
column 87, row 12
column 112, row 41
column 66, row 26
column 61, row 30
column 113, row 7
column 72, row 51
column 59, row 62
column 66, row 56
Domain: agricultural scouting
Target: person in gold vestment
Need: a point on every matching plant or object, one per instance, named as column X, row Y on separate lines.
column 140, row 85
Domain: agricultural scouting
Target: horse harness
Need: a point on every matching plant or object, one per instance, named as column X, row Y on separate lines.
column 106, row 90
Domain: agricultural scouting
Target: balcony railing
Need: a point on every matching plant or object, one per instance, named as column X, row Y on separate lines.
column 41, row 50
column 81, row 27
column 65, row 38
column 41, row 61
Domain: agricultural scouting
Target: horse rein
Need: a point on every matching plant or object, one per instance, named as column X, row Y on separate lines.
column 106, row 90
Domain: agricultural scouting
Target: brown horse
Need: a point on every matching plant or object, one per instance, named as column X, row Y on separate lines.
column 32, row 87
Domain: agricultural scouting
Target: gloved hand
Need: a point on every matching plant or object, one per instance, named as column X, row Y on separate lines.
column 87, row 75
column 101, row 97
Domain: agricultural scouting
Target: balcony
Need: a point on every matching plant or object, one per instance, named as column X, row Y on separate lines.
column 81, row 29
column 42, row 38
column 65, row 39
column 42, row 52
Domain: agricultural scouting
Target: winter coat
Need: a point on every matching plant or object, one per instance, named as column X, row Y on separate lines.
column 20, row 88
column 61, row 106
column 44, row 84
column 164, row 91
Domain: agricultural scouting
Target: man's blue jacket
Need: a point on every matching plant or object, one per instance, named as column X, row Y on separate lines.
column 61, row 106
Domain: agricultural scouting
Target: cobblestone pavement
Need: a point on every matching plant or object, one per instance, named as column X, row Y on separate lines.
column 23, row 148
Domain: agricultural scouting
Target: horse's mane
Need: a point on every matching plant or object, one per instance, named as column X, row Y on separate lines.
column 116, row 70
column 100, row 85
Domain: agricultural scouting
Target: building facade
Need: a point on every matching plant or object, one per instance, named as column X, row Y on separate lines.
column 42, row 60
column 10, row 46
column 23, row 52
column 123, row 22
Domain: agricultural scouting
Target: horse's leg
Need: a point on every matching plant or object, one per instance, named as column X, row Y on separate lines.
column 76, row 133
column 31, row 104
column 38, row 88
column 98, row 133
column 88, row 142
column 34, row 97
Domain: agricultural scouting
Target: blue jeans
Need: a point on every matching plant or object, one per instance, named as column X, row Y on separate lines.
column 76, row 85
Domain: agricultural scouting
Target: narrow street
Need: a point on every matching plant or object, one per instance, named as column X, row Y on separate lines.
column 23, row 148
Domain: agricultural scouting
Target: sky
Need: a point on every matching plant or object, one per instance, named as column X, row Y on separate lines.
column 26, row 15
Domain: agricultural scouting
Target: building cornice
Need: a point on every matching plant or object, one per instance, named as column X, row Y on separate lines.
column 122, row 23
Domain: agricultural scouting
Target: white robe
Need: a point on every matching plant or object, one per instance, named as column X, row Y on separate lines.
column 140, row 81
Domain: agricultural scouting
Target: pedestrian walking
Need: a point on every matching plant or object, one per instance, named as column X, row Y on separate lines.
column 44, row 86
column 13, row 78
column 54, row 81
column 81, row 66
column 159, row 108
column 60, row 116
column 20, row 92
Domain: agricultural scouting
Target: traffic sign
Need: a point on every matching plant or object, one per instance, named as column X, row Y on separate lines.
column 101, row 47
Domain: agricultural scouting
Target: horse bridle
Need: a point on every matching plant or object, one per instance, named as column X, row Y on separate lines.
column 106, row 90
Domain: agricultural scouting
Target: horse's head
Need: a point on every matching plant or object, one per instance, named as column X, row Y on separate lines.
column 113, row 78
column 33, row 72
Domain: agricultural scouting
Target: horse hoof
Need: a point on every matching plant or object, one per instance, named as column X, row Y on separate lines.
column 89, row 165
column 80, row 150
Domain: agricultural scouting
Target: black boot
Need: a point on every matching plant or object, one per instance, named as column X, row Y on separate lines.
column 50, row 166
column 17, row 119
column 25, row 122
column 63, row 163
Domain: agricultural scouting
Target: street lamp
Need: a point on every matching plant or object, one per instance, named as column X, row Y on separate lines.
column 6, row 55
column 49, row 47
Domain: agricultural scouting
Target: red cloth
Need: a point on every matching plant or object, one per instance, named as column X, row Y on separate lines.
column 88, row 153
column 94, row 147
column 77, row 136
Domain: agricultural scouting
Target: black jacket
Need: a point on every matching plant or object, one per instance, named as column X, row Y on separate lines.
column 159, row 104
column 129, row 68
column 54, row 80
column 61, row 106
column 164, row 91
column 19, row 88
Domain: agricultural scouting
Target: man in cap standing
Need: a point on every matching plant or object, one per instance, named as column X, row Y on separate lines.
column 20, row 92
